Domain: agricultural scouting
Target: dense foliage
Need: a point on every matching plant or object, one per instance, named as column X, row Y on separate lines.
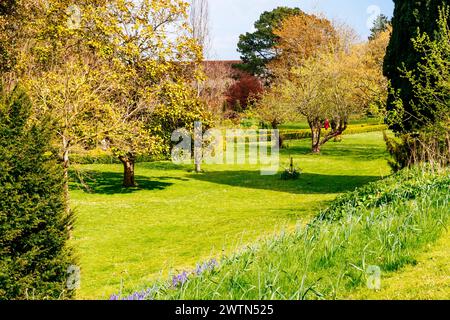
column 245, row 91
column 34, row 225
column 411, row 19
column 422, row 118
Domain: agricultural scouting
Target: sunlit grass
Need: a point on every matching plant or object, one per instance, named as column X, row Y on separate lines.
column 427, row 279
column 383, row 225
column 176, row 218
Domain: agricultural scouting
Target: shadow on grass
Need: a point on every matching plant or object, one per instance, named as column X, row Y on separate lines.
column 308, row 183
column 111, row 183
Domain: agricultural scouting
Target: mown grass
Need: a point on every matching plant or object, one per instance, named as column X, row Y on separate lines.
column 128, row 238
column 384, row 224
column 427, row 279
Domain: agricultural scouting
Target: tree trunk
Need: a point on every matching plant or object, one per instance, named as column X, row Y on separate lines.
column 66, row 165
column 198, row 146
column 274, row 125
column 66, row 177
column 316, row 127
column 128, row 172
column 316, row 148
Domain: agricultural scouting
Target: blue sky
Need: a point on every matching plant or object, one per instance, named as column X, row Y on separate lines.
column 230, row 18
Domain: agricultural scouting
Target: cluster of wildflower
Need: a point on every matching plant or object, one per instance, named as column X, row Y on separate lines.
column 139, row 295
column 206, row 266
column 180, row 279
column 177, row 281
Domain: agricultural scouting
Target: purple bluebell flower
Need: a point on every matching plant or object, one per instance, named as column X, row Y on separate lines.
column 139, row 295
column 180, row 279
column 177, row 280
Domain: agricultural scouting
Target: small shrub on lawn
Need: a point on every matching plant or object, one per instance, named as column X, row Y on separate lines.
column 291, row 173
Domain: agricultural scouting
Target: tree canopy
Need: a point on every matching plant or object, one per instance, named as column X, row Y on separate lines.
column 258, row 48
column 102, row 68
column 322, row 76
column 380, row 24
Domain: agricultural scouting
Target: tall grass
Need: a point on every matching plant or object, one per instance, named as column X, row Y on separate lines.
column 384, row 224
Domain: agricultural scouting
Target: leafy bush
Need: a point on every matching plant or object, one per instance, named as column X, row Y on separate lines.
column 291, row 173
column 34, row 257
column 421, row 116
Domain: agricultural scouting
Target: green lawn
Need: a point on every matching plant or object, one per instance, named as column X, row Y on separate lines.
column 177, row 218
column 371, row 234
column 427, row 279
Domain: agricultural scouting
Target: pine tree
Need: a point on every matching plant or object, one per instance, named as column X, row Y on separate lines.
column 380, row 24
column 411, row 18
column 34, row 256
column 258, row 48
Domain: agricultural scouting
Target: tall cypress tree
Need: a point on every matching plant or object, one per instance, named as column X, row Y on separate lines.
column 411, row 17
column 34, row 257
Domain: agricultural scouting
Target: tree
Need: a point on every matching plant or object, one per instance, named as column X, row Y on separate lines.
column 258, row 48
column 156, row 72
column 150, row 64
column 244, row 91
column 7, row 8
column 330, row 79
column 299, row 38
column 199, row 21
column 430, row 83
column 272, row 109
column 98, row 68
column 63, row 77
column 34, row 225
column 410, row 19
column 219, row 76
column 380, row 24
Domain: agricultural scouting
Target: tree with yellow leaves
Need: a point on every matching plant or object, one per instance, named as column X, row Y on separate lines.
column 98, row 69
column 322, row 75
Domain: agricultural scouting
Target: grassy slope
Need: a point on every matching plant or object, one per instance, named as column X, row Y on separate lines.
column 386, row 224
column 177, row 218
